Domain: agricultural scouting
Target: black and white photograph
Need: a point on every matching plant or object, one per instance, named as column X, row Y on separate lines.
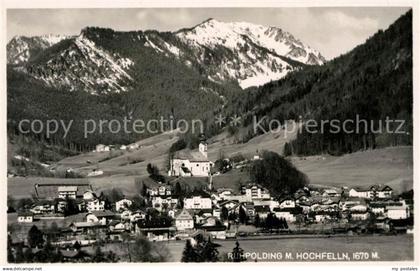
column 209, row 134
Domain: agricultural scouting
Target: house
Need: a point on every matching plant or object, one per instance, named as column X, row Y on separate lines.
column 371, row 192
column 262, row 211
column 25, row 217
column 43, row 207
column 396, row 211
column 164, row 202
column 184, row 221
column 350, row 202
column 377, row 208
column 287, row 202
column 101, row 148
column 249, row 208
column 321, row 217
column 95, row 205
column 358, row 208
column 67, row 192
column 122, row 204
column 213, row 227
column 359, row 215
column 198, row 201
column 89, row 195
column 88, row 228
column 137, row 215
column 101, row 217
column 117, row 226
column 289, row 214
column 331, row 193
column 160, row 190
column 255, row 191
column 191, row 163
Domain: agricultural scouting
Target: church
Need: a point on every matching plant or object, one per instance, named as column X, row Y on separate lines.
column 187, row 163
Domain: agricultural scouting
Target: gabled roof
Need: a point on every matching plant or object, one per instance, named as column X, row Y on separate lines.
column 67, row 189
column 192, row 156
column 262, row 209
column 184, row 215
column 105, row 213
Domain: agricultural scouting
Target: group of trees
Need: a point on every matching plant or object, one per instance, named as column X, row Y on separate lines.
column 202, row 251
column 277, row 174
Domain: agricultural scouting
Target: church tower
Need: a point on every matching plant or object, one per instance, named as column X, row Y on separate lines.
column 202, row 147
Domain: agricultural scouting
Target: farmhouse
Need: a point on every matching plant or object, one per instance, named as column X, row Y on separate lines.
column 397, row 210
column 184, row 221
column 373, row 191
column 101, row 217
column 25, row 217
column 255, row 191
column 122, row 204
column 95, row 205
column 191, row 163
column 67, row 192
column 198, row 201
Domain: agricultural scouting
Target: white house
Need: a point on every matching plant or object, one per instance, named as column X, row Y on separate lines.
column 255, row 191
column 184, row 221
column 161, row 190
column 101, row 217
column 89, row 195
column 159, row 202
column 191, row 163
column 43, row 207
column 198, row 202
column 122, row 204
column 287, row 203
column 359, row 215
column 100, row 148
column 398, row 210
column 373, row 191
column 95, row 205
column 67, row 192
column 25, row 217
column 287, row 214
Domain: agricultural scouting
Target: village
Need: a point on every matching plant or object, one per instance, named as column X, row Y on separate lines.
column 171, row 211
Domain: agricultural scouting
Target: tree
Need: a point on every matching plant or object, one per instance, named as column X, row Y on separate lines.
column 99, row 256
column 189, row 254
column 287, row 151
column 238, row 253
column 243, row 217
column 35, row 237
column 154, row 173
column 71, row 207
column 209, row 252
column 224, row 213
column 19, row 258
column 257, row 221
column 28, row 255
column 142, row 250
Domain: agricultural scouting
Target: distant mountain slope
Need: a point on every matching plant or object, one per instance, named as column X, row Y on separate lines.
column 20, row 49
column 102, row 60
column 373, row 81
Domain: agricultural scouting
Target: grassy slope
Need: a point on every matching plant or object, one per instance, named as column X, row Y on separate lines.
column 393, row 166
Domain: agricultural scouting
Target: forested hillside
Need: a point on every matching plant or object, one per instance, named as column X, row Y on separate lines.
column 373, row 81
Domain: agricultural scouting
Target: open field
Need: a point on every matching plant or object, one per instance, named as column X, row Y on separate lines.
column 392, row 166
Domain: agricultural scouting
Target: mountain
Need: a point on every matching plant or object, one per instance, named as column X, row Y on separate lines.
column 251, row 54
column 20, row 49
column 372, row 82
column 245, row 53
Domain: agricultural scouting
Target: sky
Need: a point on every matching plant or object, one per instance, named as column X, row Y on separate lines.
column 332, row 31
